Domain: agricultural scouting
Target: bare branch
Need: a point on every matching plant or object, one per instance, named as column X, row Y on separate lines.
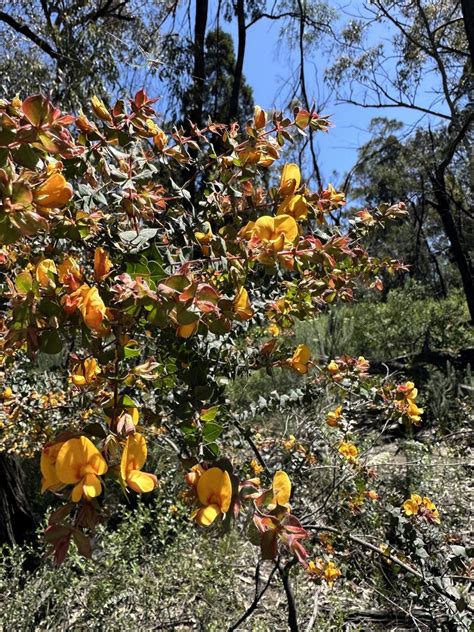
column 258, row 596
column 25, row 30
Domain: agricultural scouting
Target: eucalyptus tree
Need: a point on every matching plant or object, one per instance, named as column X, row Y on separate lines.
column 422, row 64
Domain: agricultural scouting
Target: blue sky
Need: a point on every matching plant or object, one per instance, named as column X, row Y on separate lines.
column 269, row 63
column 266, row 67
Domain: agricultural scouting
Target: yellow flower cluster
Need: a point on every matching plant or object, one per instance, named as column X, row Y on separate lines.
column 405, row 402
column 333, row 416
column 423, row 507
column 78, row 462
column 328, row 571
column 293, row 204
column 348, row 450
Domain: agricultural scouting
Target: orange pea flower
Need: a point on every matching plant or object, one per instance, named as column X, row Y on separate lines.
column 281, row 488
column 242, row 306
column 133, row 459
column 275, row 233
column 214, row 491
column 92, row 307
column 49, row 456
column 55, row 192
column 102, row 264
column 44, row 273
column 69, row 273
column 80, row 463
column 348, row 450
column 290, row 179
column 333, row 416
column 300, row 359
column 85, row 372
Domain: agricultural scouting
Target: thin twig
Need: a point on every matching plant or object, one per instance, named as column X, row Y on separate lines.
column 257, row 597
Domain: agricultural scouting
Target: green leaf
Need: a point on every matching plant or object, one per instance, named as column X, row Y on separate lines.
column 24, row 282
column 209, row 414
column 49, row 308
column 127, row 402
column 51, row 342
column 137, row 242
column 211, row 450
column 131, row 352
column 211, row 431
column 186, row 317
column 95, row 430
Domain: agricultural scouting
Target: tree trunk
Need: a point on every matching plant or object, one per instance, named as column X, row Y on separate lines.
column 460, row 257
column 467, row 7
column 16, row 520
column 239, row 65
column 199, row 72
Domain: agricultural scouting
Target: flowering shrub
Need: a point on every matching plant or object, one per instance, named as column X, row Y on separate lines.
column 145, row 256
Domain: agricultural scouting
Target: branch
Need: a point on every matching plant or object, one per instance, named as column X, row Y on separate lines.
column 305, row 93
column 270, row 16
column 393, row 558
column 398, row 104
column 257, row 597
column 28, row 33
column 284, row 572
column 108, row 10
column 248, row 438
column 455, row 142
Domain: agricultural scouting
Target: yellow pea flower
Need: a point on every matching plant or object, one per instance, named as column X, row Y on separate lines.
column 92, row 308
column 102, row 264
column 160, row 139
column 281, row 488
column 407, row 394
column 133, row 459
column 98, row 106
column 433, row 515
column 256, row 467
column 333, row 417
column 294, row 205
column 133, row 416
column 194, row 475
column 49, row 455
column 85, row 372
column 273, row 329
column 410, row 507
column 55, row 192
column 414, row 412
column 204, row 240
column 7, row 393
column 348, row 450
column 300, row 359
column 242, row 306
column 275, row 232
column 69, row 267
column 44, row 271
column 80, row 463
column 214, row 490
column 332, row 199
column 290, row 443
column 331, row 573
column 290, row 179
column 333, row 367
